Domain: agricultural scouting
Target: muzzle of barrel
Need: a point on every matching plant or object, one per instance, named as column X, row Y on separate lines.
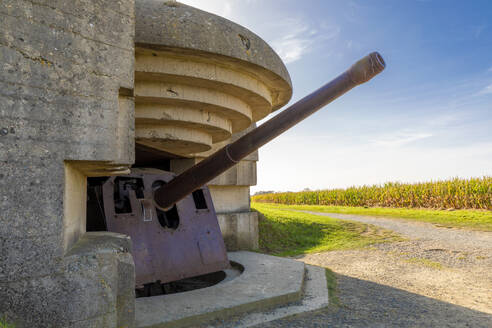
column 366, row 68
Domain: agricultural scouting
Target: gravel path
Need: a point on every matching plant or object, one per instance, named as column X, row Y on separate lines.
column 450, row 237
column 438, row 277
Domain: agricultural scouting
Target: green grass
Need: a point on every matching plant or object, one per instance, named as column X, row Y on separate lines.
column 5, row 324
column 331, row 282
column 468, row 219
column 284, row 232
column 425, row 262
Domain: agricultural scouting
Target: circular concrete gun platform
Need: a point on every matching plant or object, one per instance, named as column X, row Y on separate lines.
column 282, row 286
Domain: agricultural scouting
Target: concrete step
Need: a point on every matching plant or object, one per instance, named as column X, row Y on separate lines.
column 268, row 289
column 315, row 297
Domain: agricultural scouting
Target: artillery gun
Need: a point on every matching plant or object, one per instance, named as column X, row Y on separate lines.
column 171, row 219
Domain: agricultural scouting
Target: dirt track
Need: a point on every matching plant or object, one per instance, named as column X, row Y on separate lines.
column 438, row 277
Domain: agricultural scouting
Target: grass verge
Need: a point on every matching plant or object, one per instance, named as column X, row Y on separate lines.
column 284, row 232
column 467, row 219
column 5, row 324
column 331, row 282
column 425, row 262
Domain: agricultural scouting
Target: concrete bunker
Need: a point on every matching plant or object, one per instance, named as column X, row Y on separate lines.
column 107, row 102
column 201, row 82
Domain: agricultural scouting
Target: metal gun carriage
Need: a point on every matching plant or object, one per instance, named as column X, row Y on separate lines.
column 171, row 219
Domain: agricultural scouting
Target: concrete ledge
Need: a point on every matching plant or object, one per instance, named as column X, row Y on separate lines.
column 267, row 281
column 315, row 297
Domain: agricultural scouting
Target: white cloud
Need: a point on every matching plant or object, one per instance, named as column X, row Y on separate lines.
column 486, row 90
column 447, row 119
column 294, row 44
column 477, row 30
column 400, row 139
column 298, row 38
column 222, row 8
column 291, row 37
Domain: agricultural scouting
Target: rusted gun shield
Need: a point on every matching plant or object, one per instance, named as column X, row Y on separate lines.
column 182, row 242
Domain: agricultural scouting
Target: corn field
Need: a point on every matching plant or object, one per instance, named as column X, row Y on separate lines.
column 474, row 193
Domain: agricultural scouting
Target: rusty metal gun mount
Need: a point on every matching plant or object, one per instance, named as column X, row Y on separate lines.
column 184, row 241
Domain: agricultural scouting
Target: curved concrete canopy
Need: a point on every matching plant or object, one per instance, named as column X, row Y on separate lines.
column 175, row 25
column 188, row 58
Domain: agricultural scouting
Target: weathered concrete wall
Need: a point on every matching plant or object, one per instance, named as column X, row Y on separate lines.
column 66, row 112
column 240, row 230
column 230, row 199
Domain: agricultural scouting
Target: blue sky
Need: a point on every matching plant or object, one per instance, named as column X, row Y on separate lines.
column 428, row 116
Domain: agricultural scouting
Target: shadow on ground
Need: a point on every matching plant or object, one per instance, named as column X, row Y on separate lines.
column 368, row 304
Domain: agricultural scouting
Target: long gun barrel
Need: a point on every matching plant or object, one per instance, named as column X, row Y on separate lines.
column 211, row 167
